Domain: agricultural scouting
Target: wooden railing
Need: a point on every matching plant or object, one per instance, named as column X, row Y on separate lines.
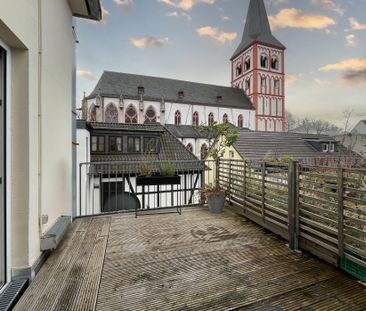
column 318, row 209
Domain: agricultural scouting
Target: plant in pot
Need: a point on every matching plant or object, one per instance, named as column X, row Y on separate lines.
column 220, row 137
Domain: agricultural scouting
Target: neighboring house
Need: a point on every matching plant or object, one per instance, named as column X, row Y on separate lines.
column 355, row 140
column 258, row 67
column 37, row 94
column 111, row 156
column 258, row 146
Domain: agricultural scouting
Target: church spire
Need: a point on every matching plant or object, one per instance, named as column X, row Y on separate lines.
column 257, row 28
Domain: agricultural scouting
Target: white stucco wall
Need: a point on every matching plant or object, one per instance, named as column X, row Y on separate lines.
column 41, row 143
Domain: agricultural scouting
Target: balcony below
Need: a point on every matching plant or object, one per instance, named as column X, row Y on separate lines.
column 194, row 261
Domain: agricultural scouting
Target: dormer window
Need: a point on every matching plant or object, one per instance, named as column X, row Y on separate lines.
column 274, row 63
column 140, row 90
column 331, row 147
column 325, row 147
column 181, row 94
column 264, row 61
column 247, row 64
column 238, row 70
column 219, row 98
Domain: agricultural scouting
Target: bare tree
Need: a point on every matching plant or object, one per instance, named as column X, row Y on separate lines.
column 290, row 122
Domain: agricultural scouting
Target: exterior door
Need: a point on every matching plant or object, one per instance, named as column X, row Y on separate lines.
column 2, row 170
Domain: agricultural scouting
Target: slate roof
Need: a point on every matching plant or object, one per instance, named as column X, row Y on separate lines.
column 256, row 146
column 185, row 131
column 114, row 84
column 257, row 28
column 171, row 149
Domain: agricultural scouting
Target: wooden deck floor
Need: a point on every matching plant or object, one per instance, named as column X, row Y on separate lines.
column 196, row 261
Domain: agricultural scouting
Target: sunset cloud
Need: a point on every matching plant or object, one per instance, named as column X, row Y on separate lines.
column 216, row 34
column 185, row 4
column 181, row 15
column 296, row 18
column 354, row 77
column 126, row 4
column 148, row 41
column 290, row 79
column 85, row 74
column 330, row 5
column 356, row 25
column 351, row 40
column 353, row 64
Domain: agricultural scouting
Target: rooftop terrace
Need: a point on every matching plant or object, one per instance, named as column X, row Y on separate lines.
column 194, row 261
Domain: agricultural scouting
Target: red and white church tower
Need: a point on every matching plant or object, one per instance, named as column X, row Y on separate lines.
column 258, row 67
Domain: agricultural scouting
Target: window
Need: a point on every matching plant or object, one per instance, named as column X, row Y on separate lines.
column 277, row 86
column 150, row 145
column 247, row 85
column 190, row 147
column 240, row 121
column 150, row 115
column 238, row 70
column 204, row 151
column 274, row 63
column 331, row 147
column 115, row 144
column 325, row 147
column 211, row 118
column 264, row 61
column 263, row 84
column 97, row 143
column 134, row 144
column 195, row 119
column 178, row 118
column 247, row 64
column 131, row 114
column 225, row 118
column 111, row 114
column 93, row 113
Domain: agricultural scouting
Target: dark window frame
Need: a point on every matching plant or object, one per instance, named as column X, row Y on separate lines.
column 134, row 149
column 99, row 143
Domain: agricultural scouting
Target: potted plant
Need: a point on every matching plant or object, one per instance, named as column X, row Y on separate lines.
column 165, row 176
column 220, row 136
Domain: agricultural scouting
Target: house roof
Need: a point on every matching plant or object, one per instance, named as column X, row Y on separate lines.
column 260, row 145
column 90, row 9
column 185, row 131
column 257, row 28
column 171, row 149
column 115, row 84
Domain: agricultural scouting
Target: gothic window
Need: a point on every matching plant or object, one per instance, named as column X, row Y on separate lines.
column 150, row 115
column 225, row 118
column 274, row 63
column 93, row 113
column 211, row 118
column 264, row 61
column 111, row 114
column 274, row 107
column 131, row 114
column 247, row 64
column 240, row 121
column 195, row 119
column 247, row 86
column 190, row 147
column 263, row 84
column 204, row 151
column 238, row 70
column 277, row 87
column 178, row 118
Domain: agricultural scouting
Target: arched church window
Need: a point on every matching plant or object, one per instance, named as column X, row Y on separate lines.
column 238, row 70
column 263, row 84
column 277, row 86
column 150, row 115
column 178, row 118
column 204, row 151
column 111, row 114
column 225, row 118
column 195, row 119
column 131, row 114
column 93, row 113
column 190, row 147
column 211, row 118
column 240, row 121
column 274, row 63
column 247, row 64
column 264, row 61
column 247, row 86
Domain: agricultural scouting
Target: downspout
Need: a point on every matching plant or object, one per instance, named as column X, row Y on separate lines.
column 40, row 50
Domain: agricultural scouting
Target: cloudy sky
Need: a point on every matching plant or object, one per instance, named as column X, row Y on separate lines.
column 194, row 40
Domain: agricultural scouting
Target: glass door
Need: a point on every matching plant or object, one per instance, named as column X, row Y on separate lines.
column 2, row 165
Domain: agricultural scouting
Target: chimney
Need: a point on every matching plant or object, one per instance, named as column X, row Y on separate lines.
column 181, row 94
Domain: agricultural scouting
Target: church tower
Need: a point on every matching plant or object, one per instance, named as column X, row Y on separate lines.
column 257, row 66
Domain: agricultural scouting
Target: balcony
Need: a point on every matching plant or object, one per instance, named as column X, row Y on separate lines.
column 193, row 261
column 179, row 256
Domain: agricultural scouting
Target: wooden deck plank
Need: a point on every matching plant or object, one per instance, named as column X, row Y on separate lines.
column 196, row 261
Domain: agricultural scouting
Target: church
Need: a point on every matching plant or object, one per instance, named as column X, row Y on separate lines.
column 255, row 100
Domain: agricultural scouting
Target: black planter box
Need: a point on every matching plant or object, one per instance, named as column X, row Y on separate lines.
column 157, row 180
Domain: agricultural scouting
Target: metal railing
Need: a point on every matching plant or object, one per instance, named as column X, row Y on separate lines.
column 111, row 187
